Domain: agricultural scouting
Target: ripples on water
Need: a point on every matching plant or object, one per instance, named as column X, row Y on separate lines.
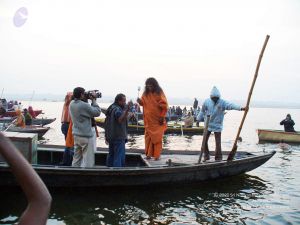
column 267, row 195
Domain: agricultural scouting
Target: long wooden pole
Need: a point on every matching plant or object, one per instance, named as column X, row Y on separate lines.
column 137, row 116
column 203, row 146
column 234, row 148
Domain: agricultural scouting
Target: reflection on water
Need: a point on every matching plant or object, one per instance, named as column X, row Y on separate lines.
column 205, row 202
column 267, row 195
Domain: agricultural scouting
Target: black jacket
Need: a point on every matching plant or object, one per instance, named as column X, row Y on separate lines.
column 288, row 125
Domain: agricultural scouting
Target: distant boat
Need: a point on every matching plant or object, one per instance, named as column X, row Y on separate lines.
column 278, row 136
column 13, row 113
column 139, row 115
column 175, row 167
column 36, row 121
column 41, row 131
column 171, row 129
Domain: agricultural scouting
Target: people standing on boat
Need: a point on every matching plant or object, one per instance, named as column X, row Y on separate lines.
column 173, row 111
column 189, row 120
column 195, row 105
column 20, row 121
column 65, row 115
column 215, row 107
column 155, row 107
column 69, row 147
column 81, row 113
column 3, row 106
column 2, row 111
column 288, row 124
column 20, row 106
column 31, row 111
column 179, row 111
column 16, row 106
column 192, row 110
column 116, row 130
column 28, row 117
column 10, row 105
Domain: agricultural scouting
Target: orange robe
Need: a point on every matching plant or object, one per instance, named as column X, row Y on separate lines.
column 70, row 137
column 155, row 106
column 20, row 121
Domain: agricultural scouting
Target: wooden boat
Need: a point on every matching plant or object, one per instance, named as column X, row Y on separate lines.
column 13, row 113
column 277, row 136
column 36, row 121
column 30, row 129
column 175, row 167
column 172, row 129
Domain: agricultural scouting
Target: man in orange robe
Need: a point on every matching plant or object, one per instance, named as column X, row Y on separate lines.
column 155, row 107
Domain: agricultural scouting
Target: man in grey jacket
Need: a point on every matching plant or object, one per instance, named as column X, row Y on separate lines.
column 81, row 114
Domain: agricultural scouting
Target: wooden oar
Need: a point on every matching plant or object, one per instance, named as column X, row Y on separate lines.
column 234, row 148
column 11, row 124
column 137, row 116
column 204, row 138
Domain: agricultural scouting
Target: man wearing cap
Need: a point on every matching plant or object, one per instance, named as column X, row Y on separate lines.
column 215, row 107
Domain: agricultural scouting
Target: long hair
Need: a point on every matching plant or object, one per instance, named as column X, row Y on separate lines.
column 156, row 88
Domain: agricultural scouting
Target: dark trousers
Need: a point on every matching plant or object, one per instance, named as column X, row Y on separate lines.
column 116, row 154
column 68, row 156
column 64, row 129
column 218, row 149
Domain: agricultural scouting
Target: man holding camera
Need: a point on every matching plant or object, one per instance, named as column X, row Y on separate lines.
column 82, row 114
column 116, row 130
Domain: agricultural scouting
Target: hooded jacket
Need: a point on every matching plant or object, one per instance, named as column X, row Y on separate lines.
column 216, row 111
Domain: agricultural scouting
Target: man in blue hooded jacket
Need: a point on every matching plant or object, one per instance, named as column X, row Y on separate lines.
column 215, row 107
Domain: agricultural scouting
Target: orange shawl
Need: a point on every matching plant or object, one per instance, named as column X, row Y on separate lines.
column 155, row 106
column 70, row 138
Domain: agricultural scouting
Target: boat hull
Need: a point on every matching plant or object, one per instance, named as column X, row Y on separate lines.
column 13, row 113
column 41, row 131
column 277, row 136
column 134, row 129
column 36, row 121
column 55, row 176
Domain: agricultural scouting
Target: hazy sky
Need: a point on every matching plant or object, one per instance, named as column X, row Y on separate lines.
column 189, row 46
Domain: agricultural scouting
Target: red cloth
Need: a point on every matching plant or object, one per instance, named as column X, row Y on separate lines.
column 31, row 112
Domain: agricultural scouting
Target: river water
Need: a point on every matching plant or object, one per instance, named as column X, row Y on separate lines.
column 267, row 195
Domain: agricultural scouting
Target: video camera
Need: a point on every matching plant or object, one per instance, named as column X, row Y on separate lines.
column 88, row 94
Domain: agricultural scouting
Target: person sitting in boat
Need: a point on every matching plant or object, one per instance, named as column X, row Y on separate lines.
column 184, row 111
column 195, row 104
column 20, row 121
column 116, row 131
column 28, row 118
column 2, row 107
column 215, row 107
column 2, row 111
column 31, row 112
column 288, row 124
column 10, row 105
column 189, row 120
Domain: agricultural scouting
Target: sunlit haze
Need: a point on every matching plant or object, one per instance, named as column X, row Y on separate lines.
column 189, row 46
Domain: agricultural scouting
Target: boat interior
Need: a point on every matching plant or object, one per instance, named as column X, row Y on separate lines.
column 134, row 158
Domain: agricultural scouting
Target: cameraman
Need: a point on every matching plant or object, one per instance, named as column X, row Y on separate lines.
column 116, row 131
column 81, row 114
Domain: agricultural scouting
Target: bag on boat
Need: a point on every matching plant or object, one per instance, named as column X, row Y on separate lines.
column 108, row 128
